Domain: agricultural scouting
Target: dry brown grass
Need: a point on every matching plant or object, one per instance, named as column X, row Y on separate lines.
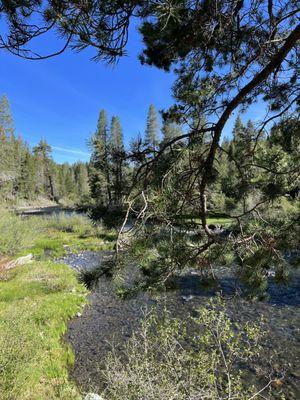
column 4, row 263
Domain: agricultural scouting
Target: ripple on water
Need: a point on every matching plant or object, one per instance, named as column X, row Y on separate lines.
column 109, row 318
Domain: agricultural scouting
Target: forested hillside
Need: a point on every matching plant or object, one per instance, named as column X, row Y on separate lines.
column 30, row 175
column 251, row 164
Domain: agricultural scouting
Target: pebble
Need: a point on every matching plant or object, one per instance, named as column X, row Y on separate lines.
column 93, row 396
column 187, row 298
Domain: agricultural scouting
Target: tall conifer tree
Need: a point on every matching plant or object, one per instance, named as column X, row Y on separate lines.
column 99, row 171
column 170, row 130
column 8, row 173
column 116, row 134
column 117, row 157
column 6, row 120
column 152, row 128
column 45, row 168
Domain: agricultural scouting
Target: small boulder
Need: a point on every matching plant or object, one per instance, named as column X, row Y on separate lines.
column 187, row 298
column 93, row 396
column 20, row 261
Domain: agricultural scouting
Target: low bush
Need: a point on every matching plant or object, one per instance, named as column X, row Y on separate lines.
column 66, row 222
column 202, row 357
column 16, row 233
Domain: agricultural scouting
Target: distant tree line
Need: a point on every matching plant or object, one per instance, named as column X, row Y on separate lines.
column 112, row 167
column 30, row 174
column 250, row 164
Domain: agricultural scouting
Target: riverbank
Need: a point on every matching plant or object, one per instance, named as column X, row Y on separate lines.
column 38, row 299
column 51, row 235
column 44, row 210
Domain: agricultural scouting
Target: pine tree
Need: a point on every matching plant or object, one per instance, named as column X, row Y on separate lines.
column 6, row 120
column 240, row 153
column 116, row 135
column 103, row 138
column 81, row 180
column 18, row 151
column 99, row 169
column 238, row 129
column 286, row 134
column 151, row 135
column 8, row 173
column 62, row 178
column 117, row 158
column 28, row 176
column 45, row 168
column 170, row 130
column 249, row 136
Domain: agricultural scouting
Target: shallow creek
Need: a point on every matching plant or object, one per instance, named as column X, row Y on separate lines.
column 109, row 319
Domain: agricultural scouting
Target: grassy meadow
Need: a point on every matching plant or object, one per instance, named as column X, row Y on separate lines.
column 37, row 300
column 51, row 236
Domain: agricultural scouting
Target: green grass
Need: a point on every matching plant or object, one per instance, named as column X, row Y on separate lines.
column 51, row 236
column 219, row 221
column 36, row 301
column 216, row 218
column 210, row 220
column 70, row 233
column 15, row 233
column 56, row 244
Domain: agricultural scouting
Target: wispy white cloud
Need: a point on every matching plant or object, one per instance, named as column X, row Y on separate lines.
column 71, row 151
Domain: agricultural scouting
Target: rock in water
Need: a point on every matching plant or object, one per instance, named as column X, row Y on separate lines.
column 93, row 396
column 187, row 298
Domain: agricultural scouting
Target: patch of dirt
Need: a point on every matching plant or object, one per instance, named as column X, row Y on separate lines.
column 4, row 263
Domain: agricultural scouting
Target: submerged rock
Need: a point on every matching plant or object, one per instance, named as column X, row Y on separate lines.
column 187, row 298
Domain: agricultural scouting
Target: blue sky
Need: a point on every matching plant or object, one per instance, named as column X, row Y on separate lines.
column 59, row 99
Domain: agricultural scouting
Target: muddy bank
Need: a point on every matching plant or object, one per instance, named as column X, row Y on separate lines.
column 110, row 319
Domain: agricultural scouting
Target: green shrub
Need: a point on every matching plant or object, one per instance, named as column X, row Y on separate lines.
column 16, row 233
column 74, row 222
column 80, row 224
column 163, row 360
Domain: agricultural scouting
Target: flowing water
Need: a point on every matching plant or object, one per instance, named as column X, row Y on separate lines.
column 108, row 319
